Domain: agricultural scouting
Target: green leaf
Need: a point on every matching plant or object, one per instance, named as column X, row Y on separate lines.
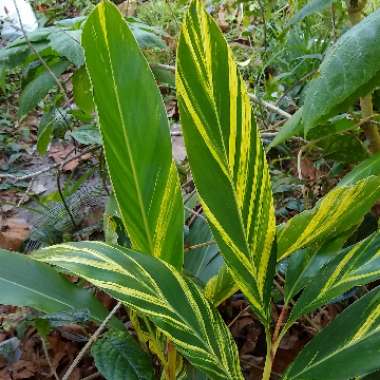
column 26, row 282
column 344, row 349
column 337, row 212
column 311, row 7
column 39, row 87
column 368, row 167
column 45, row 132
column 345, row 148
column 82, row 91
column 204, row 262
column 135, row 131
column 86, row 135
column 155, row 288
column 118, row 357
column 350, row 69
column 146, row 36
column 226, row 156
column 293, row 127
column 67, row 44
column 354, row 266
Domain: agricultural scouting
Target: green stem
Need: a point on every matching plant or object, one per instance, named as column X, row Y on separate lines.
column 268, row 360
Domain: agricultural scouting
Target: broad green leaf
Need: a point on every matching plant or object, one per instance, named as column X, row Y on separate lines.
column 354, row 266
column 146, row 36
column 311, row 7
column 368, row 167
column 337, row 212
column 82, row 91
column 39, row 87
column 346, row 148
column 350, row 69
column 226, row 156
column 86, row 135
column 204, row 262
column 293, row 127
column 45, row 132
column 344, row 349
column 67, row 44
column 26, row 282
column 135, row 131
column 118, row 357
column 155, row 288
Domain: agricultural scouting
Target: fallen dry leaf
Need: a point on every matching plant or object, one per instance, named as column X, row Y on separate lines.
column 13, row 232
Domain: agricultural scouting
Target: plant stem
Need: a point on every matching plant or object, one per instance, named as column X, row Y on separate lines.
column 355, row 8
column 268, row 359
column 371, row 131
column 172, row 362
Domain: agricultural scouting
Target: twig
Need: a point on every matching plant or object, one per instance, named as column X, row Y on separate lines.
column 46, row 353
column 65, row 205
column 270, row 106
column 93, row 376
column 200, row 245
column 51, row 167
column 59, row 84
column 92, row 339
column 239, row 315
column 195, row 213
column 19, row 203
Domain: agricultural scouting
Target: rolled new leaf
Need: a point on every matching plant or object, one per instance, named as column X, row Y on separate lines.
column 153, row 287
column 226, row 156
column 135, row 131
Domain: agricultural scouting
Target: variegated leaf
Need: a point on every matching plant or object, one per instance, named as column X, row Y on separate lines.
column 135, row 131
column 221, row 286
column 347, row 348
column 153, row 287
column 354, row 266
column 340, row 210
column 226, row 156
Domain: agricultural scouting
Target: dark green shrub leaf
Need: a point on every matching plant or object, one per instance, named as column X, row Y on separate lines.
column 118, row 357
column 26, row 282
column 350, row 69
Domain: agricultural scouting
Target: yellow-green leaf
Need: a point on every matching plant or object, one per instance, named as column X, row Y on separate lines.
column 340, row 210
column 135, row 131
column 346, row 348
column 226, row 156
column 353, row 266
column 155, row 288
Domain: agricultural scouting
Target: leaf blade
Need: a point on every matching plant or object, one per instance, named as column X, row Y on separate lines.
column 23, row 283
column 348, row 71
column 221, row 138
column 151, row 286
column 346, row 345
column 342, row 208
column 141, row 167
